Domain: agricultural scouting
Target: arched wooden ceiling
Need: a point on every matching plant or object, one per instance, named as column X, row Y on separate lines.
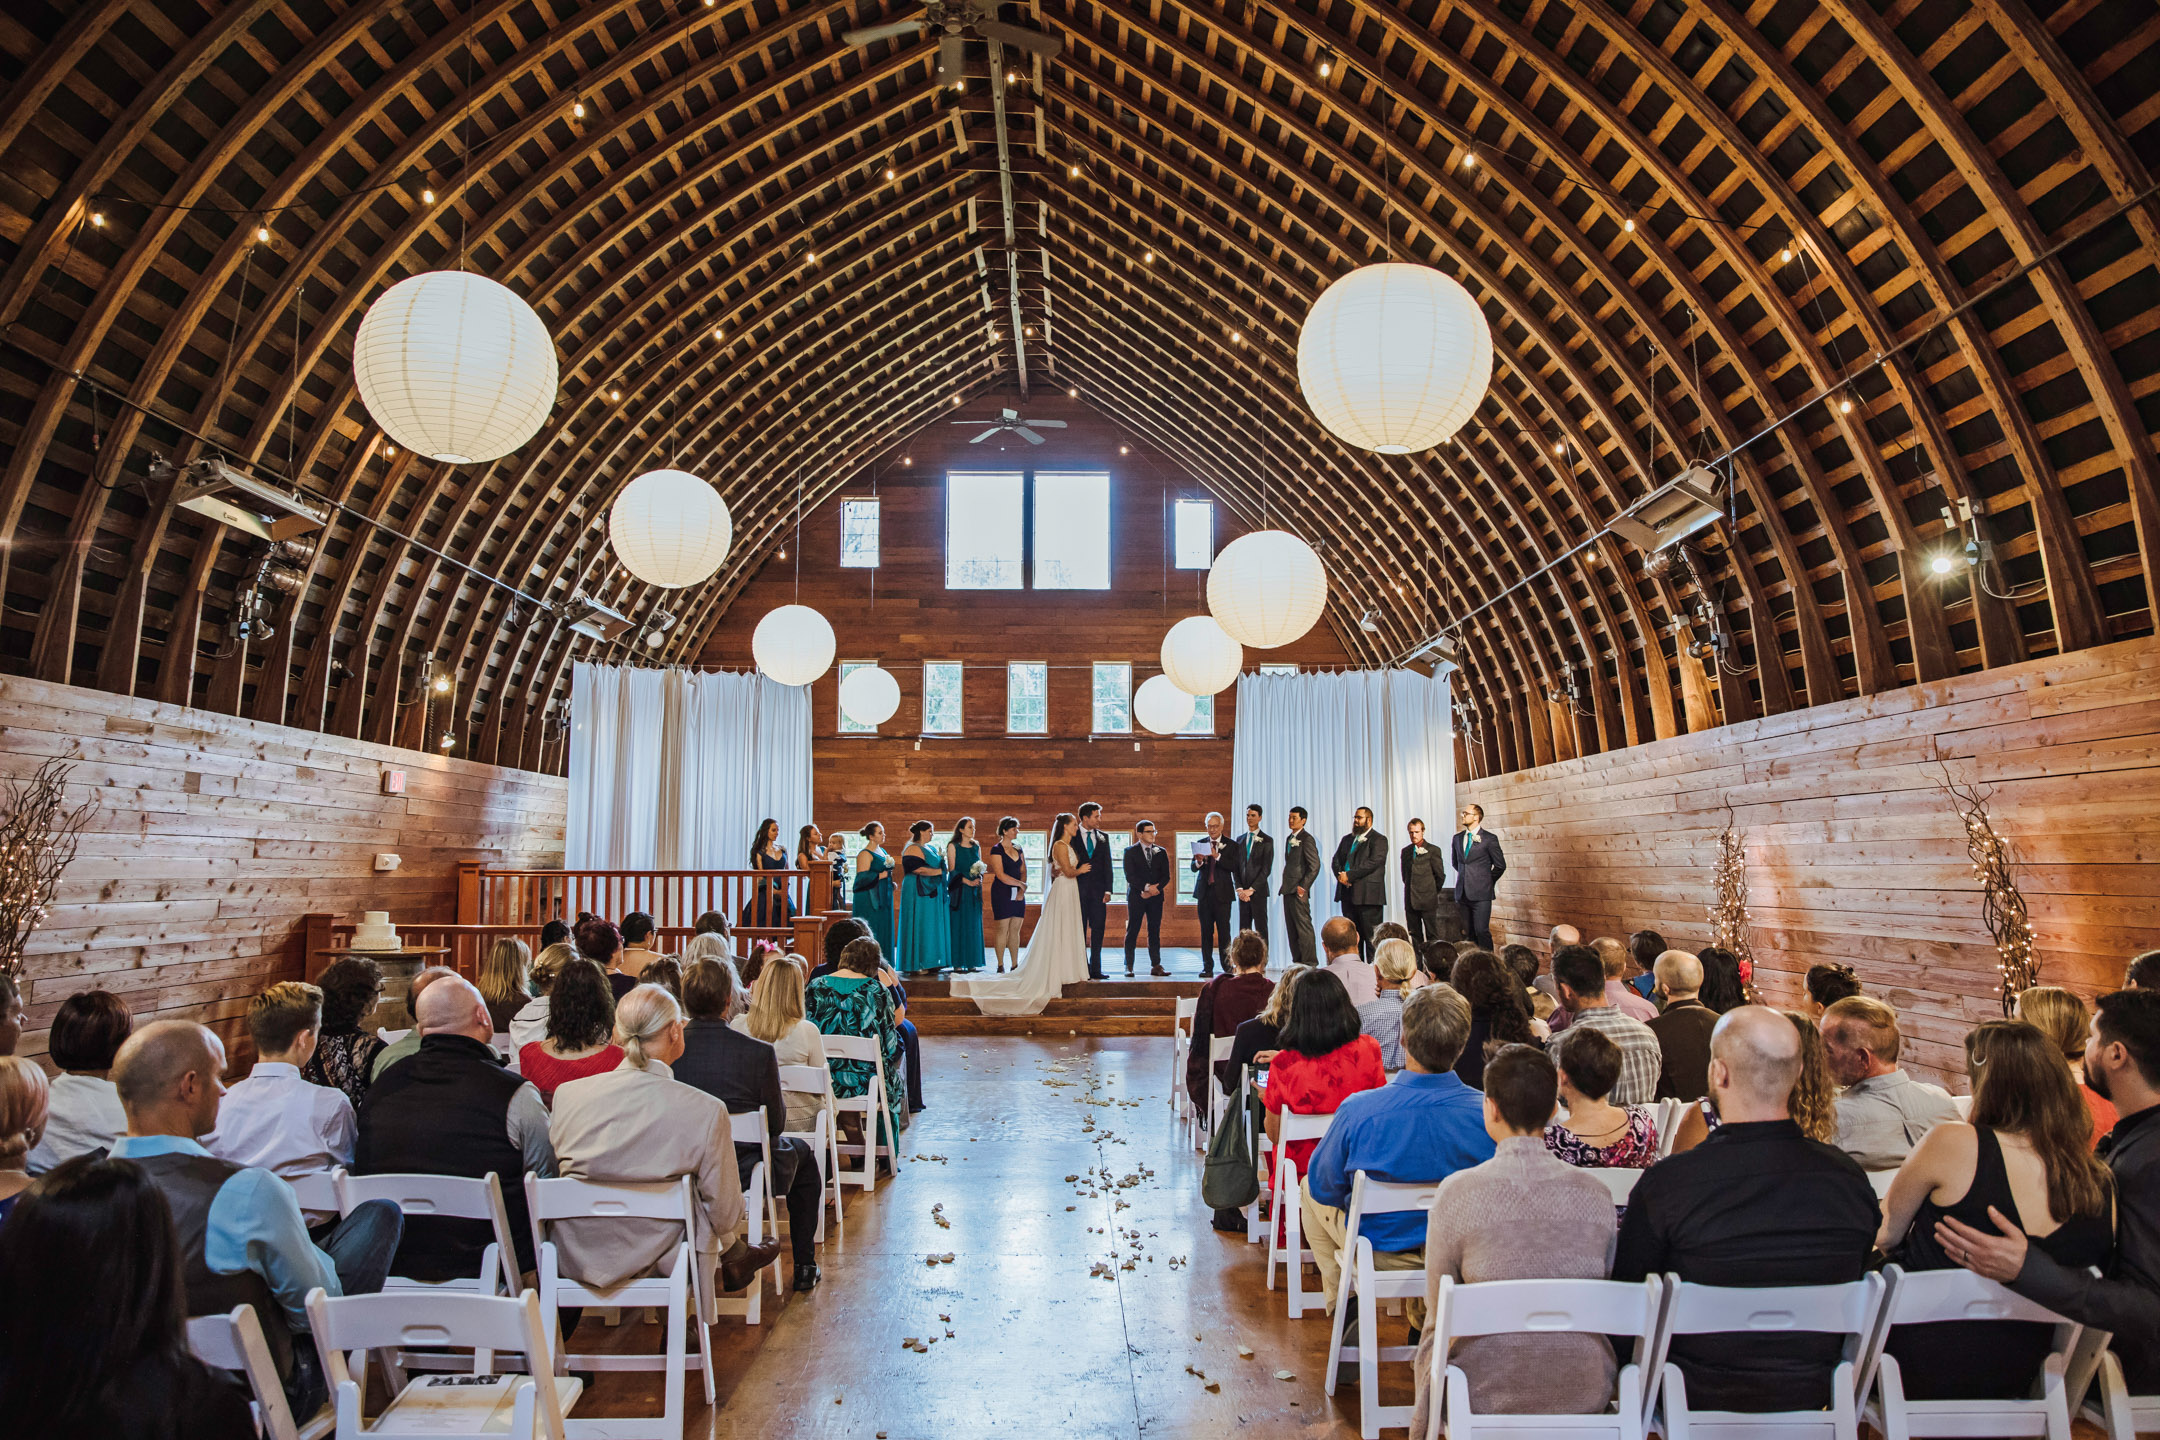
column 716, row 239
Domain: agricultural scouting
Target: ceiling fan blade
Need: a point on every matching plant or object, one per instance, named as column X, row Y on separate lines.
column 986, row 435
column 1028, row 435
column 875, row 33
column 1035, row 42
column 1047, row 424
column 951, row 59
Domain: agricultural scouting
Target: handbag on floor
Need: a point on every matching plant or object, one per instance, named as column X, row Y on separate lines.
column 1230, row 1180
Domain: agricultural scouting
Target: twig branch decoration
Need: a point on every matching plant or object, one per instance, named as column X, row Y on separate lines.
column 1728, row 910
column 38, row 835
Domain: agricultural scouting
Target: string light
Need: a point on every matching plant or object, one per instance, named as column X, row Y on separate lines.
column 2002, row 908
column 1785, row 255
column 1327, row 63
column 97, row 219
column 1124, row 449
column 1074, row 392
column 1728, row 911
column 1469, row 160
column 1628, row 225
column 716, row 332
column 442, row 684
column 1148, row 258
column 614, row 394
column 262, row 233
column 889, row 173
column 1844, row 407
column 448, row 740
column 427, row 197
column 1074, row 173
column 577, row 109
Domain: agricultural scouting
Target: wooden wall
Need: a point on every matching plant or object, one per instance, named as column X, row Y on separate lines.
column 215, row 835
column 1854, row 853
column 901, row 614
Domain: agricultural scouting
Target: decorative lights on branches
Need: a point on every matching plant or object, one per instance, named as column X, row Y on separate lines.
column 2002, row 907
column 38, row 835
column 1728, row 910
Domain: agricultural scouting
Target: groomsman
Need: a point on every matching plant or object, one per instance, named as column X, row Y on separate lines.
column 1147, row 880
column 1217, row 869
column 1361, row 878
column 1095, row 883
column 1255, row 867
column 1475, row 855
column 1300, row 867
column 1424, row 877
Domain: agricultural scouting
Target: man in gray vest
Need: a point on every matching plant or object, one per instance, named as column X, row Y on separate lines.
column 242, row 1238
column 1300, row 867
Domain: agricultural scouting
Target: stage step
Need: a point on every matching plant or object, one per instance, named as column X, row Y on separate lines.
column 1162, row 1008
column 1045, row 1024
column 1095, row 1007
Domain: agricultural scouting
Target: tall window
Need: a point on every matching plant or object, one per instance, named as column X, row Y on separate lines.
column 1027, row 698
column 1203, row 717
column 1113, row 698
column 1072, row 532
column 941, row 697
column 847, row 726
column 984, row 533
column 1194, row 528
column 1035, row 849
column 859, row 534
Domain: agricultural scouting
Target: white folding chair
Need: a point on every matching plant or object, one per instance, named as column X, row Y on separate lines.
column 1964, row 1106
column 824, row 1138
column 1181, row 1019
column 1543, row 1307
column 235, row 1342
column 449, row 1197
column 391, row 1037
column 1926, row 1296
column 2124, row 1416
column 500, row 1042
column 1765, row 1315
column 1286, row 1241
column 1667, row 1119
column 1881, row 1180
column 1218, row 1051
column 1618, row 1182
column 318, row 1192
column 873, row 1106
column 1362, row 1277
column 678, row 1291
column 749, row 1128
column 474, row 1405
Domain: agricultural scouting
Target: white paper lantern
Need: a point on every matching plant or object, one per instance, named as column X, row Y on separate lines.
column 455, row 367
column 1199, row 658
column 1394, row 358
column 869, row 696
column 1266, row 589
column 1161, row 707
column 670, row 528
column 793, row 645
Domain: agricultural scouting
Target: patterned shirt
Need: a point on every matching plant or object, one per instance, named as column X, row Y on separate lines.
column 1641, row 1058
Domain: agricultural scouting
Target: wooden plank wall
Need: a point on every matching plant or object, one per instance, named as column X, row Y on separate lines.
column 1854, row 853
column 901, row 614
column 215, row 835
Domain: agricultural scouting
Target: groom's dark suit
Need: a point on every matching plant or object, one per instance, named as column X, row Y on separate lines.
column 1364, row 899
column 1093, row 851
column 1478, row 864
column 1254, row 852
column 1145, row 865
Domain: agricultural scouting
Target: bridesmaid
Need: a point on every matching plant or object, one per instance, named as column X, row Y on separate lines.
column 770, row 907
column 1008, row 892
column 925, row 927
column 872, row 901
column 967, row 895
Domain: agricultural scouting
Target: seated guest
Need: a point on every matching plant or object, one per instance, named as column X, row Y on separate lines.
column 1814, row 1097
column 242, row 1238
column 1339, row 938
column 1614, row 956
column 1723, row 987
column 2053, row 1011
column 638, row 1123
column 666, row 972
column 1523, row 963
column 1522, row 1215
column 102, row 1353
column 760, row 952
column 1320, row 1061
column 1826, row 985
column 850, row 1001
column 1883, row 1112
column 11, row 1015
column 580, row 1020
column 1597, row 1135
column 555, row 932
column 1644, row 946
column 1580, row 973
column 742, row 1072
column 2026, row 1156
column 452, row 1109
column 1390, row 930
column 1499, row 1011
column 1394, row 964
column 529, row 1025
column 1682, row 1028
column 274, row 1120
column 712, row 922
column 24, row 1098
column 505, row 981
column 838, row 936
column 2143, row 972
column 638, row 946
column 1422, row 1126
column 405, row 1044
column 345, row 1051
column 1557, row 937
column 601, row 943
column 707, row 947
column 1226, row 1002
column 1257, row 1037
column 1757, row 1203
column 910, row 1040
column 776, row 1017
column 84, row 1112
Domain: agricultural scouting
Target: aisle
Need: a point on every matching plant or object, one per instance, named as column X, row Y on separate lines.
column 1038, row 1345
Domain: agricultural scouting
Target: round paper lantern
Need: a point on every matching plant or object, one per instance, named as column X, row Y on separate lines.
column 869, row 696
column 455, row 367
column 1394, row 358
column 793, row 645
column 1266, row 589
column 1161, row 707
column 1199, row 658
column 670, row 528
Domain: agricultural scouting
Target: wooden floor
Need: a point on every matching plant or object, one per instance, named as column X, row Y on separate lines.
column 1038, row 1346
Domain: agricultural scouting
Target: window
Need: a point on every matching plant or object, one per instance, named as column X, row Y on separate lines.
column 1195, row 534
column 1113, row 698
column 983, row 530
column 941, row 697
column 1186, row 875
column 1072, row 532
column 849, row 844
column 1278, row 669
column 859, row 534
column 847, row 726
column 1035, row 849
column 1203, row 717
column 1027, row 698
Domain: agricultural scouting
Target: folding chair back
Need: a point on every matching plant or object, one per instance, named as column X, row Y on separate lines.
column 824, row 1137
column 1361, row 1277
column 875, row 1106
column 1289, row 1192
column 1669, row 1115
column 1618, row 1182
column 1181, row 1018
column 449, row 1197
column 353, row 1325
column 1930, row 1296
column 2123, row 1415
column 750, row 1128
column 391, row 1037
column 235, row 1342
column 1545, row 1307
column 318, row 1191
column 1218, row 1053
column 1849, row 1311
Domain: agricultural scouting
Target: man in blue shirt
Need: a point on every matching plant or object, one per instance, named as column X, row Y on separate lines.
column 1418, row 1129
column 242, row 1237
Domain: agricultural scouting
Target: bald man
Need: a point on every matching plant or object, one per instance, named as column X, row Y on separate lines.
column 242, row 1238
column 1757, row 1203
column 1682, row 1028
column 407, row 1043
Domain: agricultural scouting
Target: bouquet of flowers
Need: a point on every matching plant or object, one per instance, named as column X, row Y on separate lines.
column 975, row 871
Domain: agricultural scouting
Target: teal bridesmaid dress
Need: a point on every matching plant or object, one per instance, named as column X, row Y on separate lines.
column 925, row 924
column 967, row 909
column 872, row 902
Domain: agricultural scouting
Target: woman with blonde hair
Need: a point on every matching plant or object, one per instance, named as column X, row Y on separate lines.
column 529, row 1025
column 23, row 1095
column 776, row 1016
column 2061, row 1016
column 1395, row 963
column 504, row 981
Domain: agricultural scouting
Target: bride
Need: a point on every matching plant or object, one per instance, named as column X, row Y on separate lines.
column 1056, row 956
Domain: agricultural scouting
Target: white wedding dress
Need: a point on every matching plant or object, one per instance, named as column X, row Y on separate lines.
column 1056, row 956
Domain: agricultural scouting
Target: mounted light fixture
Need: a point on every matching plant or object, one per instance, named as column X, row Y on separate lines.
column 589, row 617
column 1672, row 512
column 266, row 511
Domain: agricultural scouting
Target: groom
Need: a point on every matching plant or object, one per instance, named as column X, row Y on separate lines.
column 1093, row 849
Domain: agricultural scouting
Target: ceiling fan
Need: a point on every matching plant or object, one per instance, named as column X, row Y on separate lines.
column 953, row 17
column 1010, row 420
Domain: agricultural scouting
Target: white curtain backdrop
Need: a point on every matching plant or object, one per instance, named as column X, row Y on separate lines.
column 1383, row 738
column 673, row 769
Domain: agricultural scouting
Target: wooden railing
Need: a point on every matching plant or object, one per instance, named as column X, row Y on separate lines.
column 468, row 944
column 674, row 898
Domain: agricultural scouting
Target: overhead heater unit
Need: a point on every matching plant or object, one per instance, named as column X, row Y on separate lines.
column 589, row 617
column 230, row 496
column 1672, row 512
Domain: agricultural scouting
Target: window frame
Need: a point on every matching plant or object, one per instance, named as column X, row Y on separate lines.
column 1203, row 709
column 959, row 700
column 877, row 538
column 1278, row 668
column 1095, row 725
column 1181, row 858
column 1044, row 667
column 1038, row 863
column 1177, row 526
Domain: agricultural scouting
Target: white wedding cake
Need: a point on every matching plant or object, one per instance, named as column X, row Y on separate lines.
column 375, row 932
